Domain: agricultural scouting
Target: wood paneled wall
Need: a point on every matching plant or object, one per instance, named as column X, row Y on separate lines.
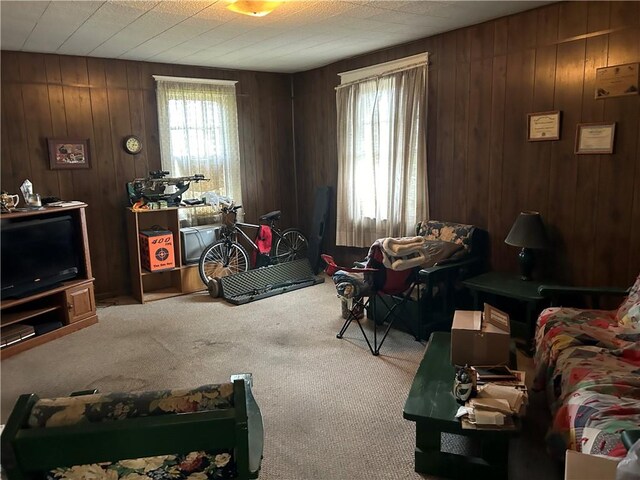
column 483, row 81
column 104, row 100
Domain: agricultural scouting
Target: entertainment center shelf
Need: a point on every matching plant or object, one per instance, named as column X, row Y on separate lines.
column 149, row 286
column 53, row 312
column 15, row 317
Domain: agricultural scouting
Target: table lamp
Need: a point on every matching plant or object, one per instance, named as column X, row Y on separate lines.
column 529, row 233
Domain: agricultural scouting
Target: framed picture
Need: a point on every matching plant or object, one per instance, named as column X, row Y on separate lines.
column 68, row 153
column 595, row 138
column 617, row 81
column 543, row 126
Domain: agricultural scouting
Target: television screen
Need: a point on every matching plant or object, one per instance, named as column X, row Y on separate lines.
column 37, row 255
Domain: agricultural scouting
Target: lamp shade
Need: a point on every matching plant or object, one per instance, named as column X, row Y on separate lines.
column 528, row 232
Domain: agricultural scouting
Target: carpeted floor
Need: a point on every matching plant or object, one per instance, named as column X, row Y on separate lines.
column 331, row 410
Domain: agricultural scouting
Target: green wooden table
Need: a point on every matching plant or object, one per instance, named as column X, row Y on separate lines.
column 510, row 286
column 481, row 453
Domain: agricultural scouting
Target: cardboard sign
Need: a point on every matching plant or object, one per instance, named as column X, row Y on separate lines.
column 497, row 318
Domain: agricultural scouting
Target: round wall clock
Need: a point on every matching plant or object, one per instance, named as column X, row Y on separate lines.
column 132, row 144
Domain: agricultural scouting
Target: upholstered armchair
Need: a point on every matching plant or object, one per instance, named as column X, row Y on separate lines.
column 442, row 282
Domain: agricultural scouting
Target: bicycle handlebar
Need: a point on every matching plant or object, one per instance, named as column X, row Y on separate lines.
column 235, row 208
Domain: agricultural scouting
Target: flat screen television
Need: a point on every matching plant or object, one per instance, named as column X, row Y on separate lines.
column 37, row 255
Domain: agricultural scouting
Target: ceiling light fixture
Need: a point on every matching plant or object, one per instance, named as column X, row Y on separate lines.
column 253, row 8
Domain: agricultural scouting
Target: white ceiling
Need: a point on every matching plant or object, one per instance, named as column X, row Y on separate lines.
column 297, row 36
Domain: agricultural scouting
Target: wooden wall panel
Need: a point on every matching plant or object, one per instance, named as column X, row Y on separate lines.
column 46, row 96
column 483, row 81
column 617, row 171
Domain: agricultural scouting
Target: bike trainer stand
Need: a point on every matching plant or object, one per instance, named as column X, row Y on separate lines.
column 268, row 281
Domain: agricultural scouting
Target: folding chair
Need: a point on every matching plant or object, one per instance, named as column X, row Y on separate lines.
column 371, row 285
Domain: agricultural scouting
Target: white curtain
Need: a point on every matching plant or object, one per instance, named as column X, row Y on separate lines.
column 382, row 161
column 199, row 134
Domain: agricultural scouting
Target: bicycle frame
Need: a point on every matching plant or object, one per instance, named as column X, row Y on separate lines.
column 236, row 228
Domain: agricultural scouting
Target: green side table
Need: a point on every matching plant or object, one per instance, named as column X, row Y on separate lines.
column 443, row 447
column 510, row 286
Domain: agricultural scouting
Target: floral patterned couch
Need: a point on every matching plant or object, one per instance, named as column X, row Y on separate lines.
column 589, row 363
column 105, row 428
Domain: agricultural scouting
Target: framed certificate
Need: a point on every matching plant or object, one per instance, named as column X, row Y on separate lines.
column 617, row 81
column 595, row 138
column 543, row 126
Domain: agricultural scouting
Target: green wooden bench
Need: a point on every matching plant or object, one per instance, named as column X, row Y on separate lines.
column 48, row 436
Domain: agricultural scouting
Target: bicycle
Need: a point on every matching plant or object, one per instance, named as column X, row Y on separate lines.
column 227, row 256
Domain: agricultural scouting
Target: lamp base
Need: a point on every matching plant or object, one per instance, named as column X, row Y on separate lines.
column 527, row 260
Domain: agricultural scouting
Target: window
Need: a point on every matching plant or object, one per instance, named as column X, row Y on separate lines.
column 382, row 171
column 199, row 134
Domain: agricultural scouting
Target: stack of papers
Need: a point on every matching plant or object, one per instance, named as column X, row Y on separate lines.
column 71, row 203
column 513, row 397
column 495, row 405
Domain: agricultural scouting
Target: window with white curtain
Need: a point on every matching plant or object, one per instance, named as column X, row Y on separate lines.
column 198, row 125
column 382, row 168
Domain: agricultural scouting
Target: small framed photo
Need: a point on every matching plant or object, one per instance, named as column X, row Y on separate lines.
column 68, row 153
column 595, row 138
column 543, row 126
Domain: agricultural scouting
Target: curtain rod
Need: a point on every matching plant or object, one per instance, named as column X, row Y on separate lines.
column 163, row 78
column 379, row 75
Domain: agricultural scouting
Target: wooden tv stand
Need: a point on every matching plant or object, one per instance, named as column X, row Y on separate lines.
column 72, row 303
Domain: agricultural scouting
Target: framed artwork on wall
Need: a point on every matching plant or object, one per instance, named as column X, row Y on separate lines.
column 543, row 126
column 595, row 138
column 617, row 81
column 68, row 153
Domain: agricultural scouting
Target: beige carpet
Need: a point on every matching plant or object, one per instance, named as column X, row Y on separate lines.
column 331, row 410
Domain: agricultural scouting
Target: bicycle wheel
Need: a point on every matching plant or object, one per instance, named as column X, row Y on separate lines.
column 291, row 245
column 222, row 258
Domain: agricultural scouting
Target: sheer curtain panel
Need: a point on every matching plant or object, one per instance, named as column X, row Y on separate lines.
column 198, row 125
column 382, row 164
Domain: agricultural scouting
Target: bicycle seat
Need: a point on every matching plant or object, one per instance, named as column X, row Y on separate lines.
column 275, row 215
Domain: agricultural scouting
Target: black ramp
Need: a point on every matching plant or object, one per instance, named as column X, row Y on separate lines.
column 319, row 226
column 268, row 281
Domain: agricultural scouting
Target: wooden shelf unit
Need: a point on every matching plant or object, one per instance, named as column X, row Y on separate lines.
column 148, row 286
column 72, row 303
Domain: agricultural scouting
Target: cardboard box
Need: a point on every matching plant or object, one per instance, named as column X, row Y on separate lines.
column 480, row 338
column 156, row 250
column 580, row 466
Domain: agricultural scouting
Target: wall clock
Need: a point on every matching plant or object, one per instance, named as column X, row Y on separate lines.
column 132, row 144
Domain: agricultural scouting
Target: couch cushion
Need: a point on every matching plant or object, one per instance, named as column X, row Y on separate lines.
column 437, row 252
column 56, row 412
column 448, row 232
column 628, row 314
column 218, row 464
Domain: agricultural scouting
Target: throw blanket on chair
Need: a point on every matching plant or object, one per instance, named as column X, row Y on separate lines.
column 401, row 253
column 408, row 252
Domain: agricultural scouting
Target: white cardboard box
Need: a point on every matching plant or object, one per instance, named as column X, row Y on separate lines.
column 580, row 466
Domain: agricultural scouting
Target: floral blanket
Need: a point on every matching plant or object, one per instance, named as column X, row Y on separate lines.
column 590, row 367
